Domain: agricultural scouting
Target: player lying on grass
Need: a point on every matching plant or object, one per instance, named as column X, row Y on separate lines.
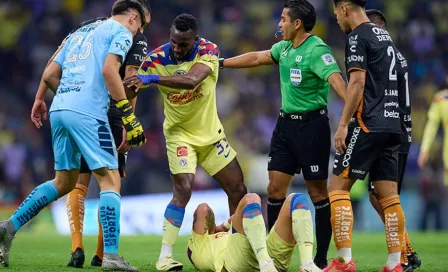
column 84, row 74
column 240, row 243
column 186, row 72
column 75, row 199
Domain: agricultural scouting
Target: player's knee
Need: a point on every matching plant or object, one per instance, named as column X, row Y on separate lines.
column 299, row 201
column 251, row 198
column 237, row 189
column 276, row 191
column 202, row 209
column 317, row 190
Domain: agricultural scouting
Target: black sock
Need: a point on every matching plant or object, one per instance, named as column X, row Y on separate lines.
column 323, row 228
column 274, row 207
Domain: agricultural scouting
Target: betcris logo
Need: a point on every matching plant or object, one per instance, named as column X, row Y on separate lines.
column 136, row 218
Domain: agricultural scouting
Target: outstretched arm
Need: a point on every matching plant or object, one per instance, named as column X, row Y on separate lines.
column 248, row 60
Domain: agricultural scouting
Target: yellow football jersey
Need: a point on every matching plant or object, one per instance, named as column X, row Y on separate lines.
column 190, row 115
column 438, row 113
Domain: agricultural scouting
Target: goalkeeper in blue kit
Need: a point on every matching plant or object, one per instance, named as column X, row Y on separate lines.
column 83, row 75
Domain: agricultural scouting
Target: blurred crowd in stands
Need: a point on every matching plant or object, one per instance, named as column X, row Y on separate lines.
column 248, row 100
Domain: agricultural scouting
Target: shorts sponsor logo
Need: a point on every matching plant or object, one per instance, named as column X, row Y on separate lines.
column 182, row 151
column 180, row 72
column 183, row 162
column 351, row 145
column 314, row 168
column 356, row 171
column 295, row 75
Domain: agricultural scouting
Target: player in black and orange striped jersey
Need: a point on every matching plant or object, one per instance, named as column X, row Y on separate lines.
column 368, row 136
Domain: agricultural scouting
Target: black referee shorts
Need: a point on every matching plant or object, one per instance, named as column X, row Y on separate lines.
column 373, row 153
column 301, row 142
column 117, row 133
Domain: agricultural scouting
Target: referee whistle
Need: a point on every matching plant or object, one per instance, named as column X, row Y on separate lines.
column 278, row 33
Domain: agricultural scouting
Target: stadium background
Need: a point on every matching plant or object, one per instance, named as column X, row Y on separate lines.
column 248, row 100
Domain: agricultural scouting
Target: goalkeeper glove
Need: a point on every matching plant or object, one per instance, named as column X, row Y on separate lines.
column 134, row 130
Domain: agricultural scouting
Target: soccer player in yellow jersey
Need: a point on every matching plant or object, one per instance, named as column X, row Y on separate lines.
column 240, row 243
column 186, row 72
column 438, row 112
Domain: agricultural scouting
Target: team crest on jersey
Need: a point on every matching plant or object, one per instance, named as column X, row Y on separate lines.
column 180, row 72
column 295, row 76
column 183, row 162
column 182, row 151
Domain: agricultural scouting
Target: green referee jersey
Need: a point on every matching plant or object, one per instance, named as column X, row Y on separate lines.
column 304, row 72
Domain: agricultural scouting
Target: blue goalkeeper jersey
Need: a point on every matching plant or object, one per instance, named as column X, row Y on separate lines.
column 82, row 88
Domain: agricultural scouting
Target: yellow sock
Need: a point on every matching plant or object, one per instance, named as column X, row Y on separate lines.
column 255, row 230
column 75, row 213
column 302, row 227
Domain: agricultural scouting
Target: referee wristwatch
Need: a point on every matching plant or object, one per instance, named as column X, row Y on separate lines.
column 221, row 63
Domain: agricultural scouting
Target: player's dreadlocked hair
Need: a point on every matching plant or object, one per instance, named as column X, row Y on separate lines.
column 122, row 6
column 303, row 10
column 377, row 17
column 361, row 3
column 185, row 22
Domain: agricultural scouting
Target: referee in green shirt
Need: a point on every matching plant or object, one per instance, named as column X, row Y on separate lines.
column 301, row 140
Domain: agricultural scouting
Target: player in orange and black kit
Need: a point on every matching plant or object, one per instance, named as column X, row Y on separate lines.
column 409, row 258
column 370, row 124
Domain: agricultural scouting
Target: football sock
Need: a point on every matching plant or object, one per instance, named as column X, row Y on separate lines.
column 394, row 225
column 110, row 205
column 174, row 216
column 302, row 227
column 409, row 248
column 274, row 207
column 38, row 199
column 99, row 243
column 323, row 227
column 255, row 230
column 342, row 223
column 75, row 214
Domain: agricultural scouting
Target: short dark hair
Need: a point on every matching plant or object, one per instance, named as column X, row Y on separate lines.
column 303, row 10
column 123, row 6
column 185, row 22
column 145, row 5
column 361, row 3
column 376, row 15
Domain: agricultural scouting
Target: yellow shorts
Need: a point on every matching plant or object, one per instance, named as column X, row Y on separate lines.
column 280, row 251
column 239, row 256
column 206, row 252
column 183, row 157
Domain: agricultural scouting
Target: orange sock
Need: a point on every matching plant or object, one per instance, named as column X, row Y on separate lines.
column 341, row 218
column 409, row 249
column 394, row 223
column 99, row 245
column 75, row 213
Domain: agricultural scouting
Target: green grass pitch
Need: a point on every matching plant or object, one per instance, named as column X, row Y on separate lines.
column 43, row 251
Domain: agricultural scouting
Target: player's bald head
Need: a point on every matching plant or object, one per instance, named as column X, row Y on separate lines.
column 377, row 17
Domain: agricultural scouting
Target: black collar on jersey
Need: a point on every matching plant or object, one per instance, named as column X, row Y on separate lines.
column 302, row 42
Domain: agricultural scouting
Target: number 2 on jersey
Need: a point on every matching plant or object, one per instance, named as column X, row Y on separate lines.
column 87, row 46
column 392, row 70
